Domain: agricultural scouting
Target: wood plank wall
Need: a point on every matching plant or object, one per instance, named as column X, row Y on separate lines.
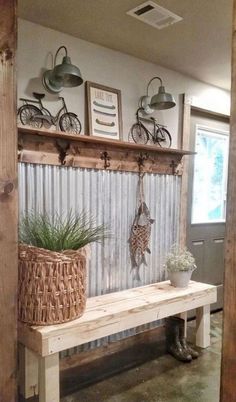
column 228, row 368
column 8, row 202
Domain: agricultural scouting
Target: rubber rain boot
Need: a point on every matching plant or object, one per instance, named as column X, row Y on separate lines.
column 173, row 345
column 183, row 339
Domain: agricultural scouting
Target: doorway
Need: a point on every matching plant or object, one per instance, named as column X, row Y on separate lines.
column 209, row 137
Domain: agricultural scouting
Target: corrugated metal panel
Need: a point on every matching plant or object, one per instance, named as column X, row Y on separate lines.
column 111, row 197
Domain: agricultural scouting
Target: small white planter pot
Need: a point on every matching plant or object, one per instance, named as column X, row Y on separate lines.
column 180, row 279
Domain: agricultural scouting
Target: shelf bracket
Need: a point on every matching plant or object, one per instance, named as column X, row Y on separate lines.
column 105, row 156
column 62, row 147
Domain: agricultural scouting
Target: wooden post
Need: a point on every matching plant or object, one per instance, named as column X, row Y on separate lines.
column 184, row 186
column 203, row 325
column 8, row 203
column 49, row 378
column 228, row 367
column 28, row 372
column 184, row 317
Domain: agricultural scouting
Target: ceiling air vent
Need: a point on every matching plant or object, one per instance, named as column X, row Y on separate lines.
column 154, row 15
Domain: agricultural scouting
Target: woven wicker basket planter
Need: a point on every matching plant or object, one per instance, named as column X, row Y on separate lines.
column 51, row 285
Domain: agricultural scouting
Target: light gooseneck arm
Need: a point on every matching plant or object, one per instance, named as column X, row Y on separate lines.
column 151, row 81
column 58, row 50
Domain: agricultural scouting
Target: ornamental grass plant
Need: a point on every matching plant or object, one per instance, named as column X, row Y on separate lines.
column 53, row 266
column 59, row 233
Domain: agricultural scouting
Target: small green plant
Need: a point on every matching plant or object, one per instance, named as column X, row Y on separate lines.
column 58, row 233
column 179, row 259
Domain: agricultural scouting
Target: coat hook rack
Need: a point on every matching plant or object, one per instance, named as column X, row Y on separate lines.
column 105, row 156
column 62, row 147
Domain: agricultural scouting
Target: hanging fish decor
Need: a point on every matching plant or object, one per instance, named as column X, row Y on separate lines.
column 140, row 232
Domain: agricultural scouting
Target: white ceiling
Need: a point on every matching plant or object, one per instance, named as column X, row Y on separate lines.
column 199, row 45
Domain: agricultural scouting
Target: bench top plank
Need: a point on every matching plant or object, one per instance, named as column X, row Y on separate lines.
column 115, row 312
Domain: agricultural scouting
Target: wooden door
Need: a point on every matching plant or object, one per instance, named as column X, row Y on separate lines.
column 209, row 137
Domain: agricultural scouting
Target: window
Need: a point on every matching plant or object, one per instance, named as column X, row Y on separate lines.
column 210, row 175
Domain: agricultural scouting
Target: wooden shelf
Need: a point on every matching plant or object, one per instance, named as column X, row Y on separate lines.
column 59, row 148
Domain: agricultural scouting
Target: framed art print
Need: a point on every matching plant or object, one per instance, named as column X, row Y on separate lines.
column 104, row 111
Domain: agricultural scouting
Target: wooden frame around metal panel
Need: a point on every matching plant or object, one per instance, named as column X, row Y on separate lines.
column 63, row 149
column 228, row 366
column 8, row 202
column 8, row 219
column 184, row 186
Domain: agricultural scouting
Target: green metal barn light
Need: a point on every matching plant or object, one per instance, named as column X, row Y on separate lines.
column 62, row 75
column 160, row 101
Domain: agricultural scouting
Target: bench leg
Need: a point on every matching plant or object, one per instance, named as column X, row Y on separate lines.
column 28, row 372
column 203, row 326
column 49, row 383
column 184, row 317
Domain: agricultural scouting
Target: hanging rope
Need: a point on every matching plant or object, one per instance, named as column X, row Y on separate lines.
column 140, row 192
column 141, row 228
column 140, row 187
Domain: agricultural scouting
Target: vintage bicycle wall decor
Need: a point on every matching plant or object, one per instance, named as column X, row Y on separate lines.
column 141, row 134
column 38, row 116
column 104, row 111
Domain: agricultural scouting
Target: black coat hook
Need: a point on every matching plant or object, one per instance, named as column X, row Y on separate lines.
column 105, row 156
column 62, row 147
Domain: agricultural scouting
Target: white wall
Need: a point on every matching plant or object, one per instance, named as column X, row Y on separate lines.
column 111, row 68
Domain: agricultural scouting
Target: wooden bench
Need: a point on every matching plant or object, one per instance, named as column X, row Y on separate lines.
column 106, row 315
